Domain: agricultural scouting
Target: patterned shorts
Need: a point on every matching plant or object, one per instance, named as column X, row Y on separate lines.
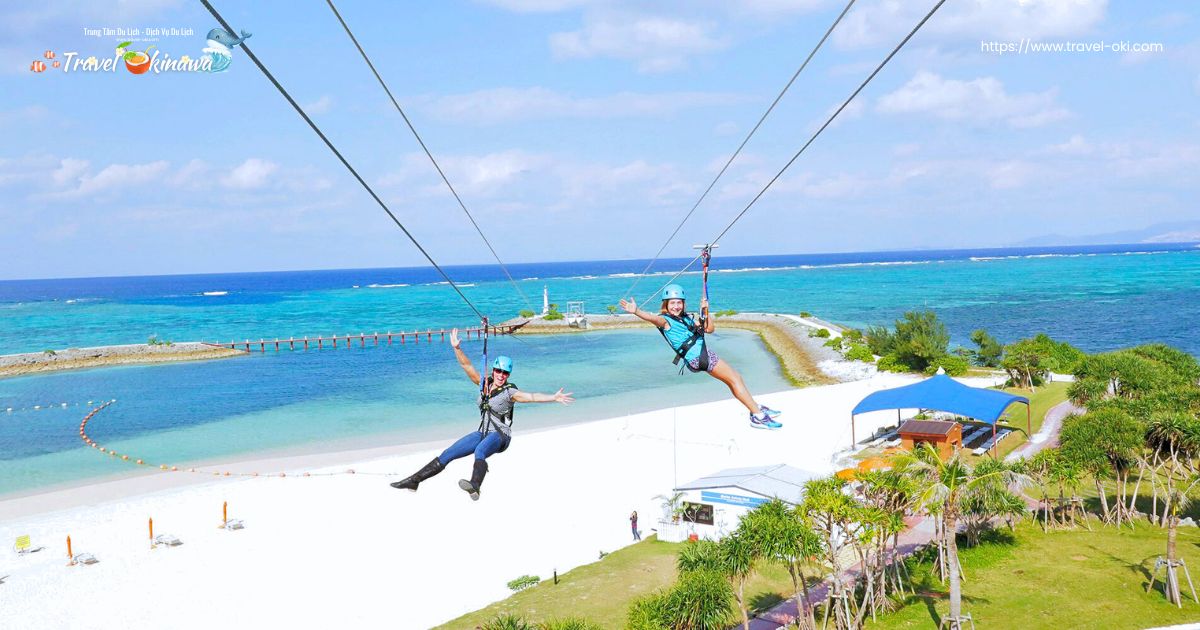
column 712, row 360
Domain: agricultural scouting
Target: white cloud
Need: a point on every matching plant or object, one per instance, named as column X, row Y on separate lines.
column 887, row 21
column 319, row 106
column 69, row 172
column 983, row 99
column 656, row 44
column 253, row 173
column 537, row 103
column 110, row 177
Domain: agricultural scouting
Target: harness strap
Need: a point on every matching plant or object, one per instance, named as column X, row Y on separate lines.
column 686, row 346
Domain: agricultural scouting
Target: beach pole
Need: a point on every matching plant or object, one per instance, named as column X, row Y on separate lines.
column 335, row 341
column 362, row 340
column 224, row 513
column 854, row 441
column 152, row 533
column 262, row 345
column 277, row 344
column 70, row 556
column 401, row 337
column 389, row 335
column 320, row 342
column 292, row 343
column 377, row 337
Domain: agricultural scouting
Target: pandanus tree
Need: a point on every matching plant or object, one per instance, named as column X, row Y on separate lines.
column 785, row 538
column 835, row 516
column 1105, row 443
column 1174, row 440
column 949, row 488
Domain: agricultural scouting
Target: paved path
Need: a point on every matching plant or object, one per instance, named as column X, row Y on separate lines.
column 1047, row 436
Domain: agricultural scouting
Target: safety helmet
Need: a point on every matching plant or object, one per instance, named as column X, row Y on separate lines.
column 502, row 363
column 673, row 292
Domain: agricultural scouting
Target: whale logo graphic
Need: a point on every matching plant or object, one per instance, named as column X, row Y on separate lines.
column 220, row 48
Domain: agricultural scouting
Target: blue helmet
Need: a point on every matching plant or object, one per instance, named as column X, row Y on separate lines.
column 673, row 292
column 502, row 363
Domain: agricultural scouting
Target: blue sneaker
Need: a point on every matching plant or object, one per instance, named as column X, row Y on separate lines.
column 770, row 412
column 763, row 422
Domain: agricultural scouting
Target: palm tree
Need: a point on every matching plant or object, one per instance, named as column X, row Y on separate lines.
column 836, row 517
column 1174, row 439
column 948, row 487
column 784, row 537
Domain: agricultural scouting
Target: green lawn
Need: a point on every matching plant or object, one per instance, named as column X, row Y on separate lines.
column 1064, row 579
column 602, row 591
column 1040, row 402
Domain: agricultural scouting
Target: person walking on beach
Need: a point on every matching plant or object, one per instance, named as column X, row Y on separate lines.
column 633, row 522
column 497, row 398
column 686, row 338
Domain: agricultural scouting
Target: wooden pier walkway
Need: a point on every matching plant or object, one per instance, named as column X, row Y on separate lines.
column 388, row 337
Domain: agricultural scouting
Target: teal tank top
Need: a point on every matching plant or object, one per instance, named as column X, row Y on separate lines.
column 677, row 334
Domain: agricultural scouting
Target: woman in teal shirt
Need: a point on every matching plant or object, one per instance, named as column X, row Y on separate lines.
column 686, row 338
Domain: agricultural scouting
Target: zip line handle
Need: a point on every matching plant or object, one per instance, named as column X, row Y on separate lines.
column 705, row 256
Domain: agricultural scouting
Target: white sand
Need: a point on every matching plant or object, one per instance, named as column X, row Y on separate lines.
column 350, row 552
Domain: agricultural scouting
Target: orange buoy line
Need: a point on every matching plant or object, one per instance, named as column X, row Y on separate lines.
column 303, row 342
column 125, row 457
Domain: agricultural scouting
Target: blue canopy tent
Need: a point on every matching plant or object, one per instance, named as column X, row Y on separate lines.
column 942, row 393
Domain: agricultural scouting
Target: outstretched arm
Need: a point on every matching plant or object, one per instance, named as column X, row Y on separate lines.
column 630, row 307
column 463, row 360
column 558, row 397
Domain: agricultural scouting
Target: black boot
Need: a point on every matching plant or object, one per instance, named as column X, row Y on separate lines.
column 410, row 483
column 472, row 486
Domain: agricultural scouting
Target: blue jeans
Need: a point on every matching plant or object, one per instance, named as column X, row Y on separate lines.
column 483, row 446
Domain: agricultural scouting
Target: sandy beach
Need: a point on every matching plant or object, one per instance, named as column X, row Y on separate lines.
column 349, row 551
column 101, row 356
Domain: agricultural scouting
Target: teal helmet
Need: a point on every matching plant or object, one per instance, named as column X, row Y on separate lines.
column 502, row 363
column 673, row 292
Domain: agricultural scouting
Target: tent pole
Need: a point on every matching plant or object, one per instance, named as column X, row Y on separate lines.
column 995, row 446
column 1028, row 422
column 853, row 440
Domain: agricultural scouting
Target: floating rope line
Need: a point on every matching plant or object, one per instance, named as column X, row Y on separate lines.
column 341, row 158
column 46, row 407
column 816, row 134
column 429, row 154
column 137, row 461
column 741, row 146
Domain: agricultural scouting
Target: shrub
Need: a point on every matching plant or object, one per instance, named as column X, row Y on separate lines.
column 952, row 364
column 853, row 334
column 823, row 333
column 49, row 352
column 892, row 363
column 990, row 350
column 725, row 312
column 553, row 315
column 805, row 314
column 859, row 352
column 648, row 613
column 526, row 313
column 570, row 623
column 880, row 340
column 506, row 622
column 523, row 582
column 834, row 342
column 612, row 309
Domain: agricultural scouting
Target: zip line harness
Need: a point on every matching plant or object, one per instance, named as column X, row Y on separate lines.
column 696, row 328
column 489, row 420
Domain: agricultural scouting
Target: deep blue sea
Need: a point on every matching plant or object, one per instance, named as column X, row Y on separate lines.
column 1096, row 297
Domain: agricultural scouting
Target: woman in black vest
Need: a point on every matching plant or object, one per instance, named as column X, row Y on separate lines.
column 496, row 402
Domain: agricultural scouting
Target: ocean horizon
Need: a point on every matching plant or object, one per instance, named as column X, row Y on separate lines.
column 1096, row 297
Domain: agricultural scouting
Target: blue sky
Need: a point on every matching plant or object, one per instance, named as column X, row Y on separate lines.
column 580, row 129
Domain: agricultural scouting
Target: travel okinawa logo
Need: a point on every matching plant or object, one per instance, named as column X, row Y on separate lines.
column 216, row 56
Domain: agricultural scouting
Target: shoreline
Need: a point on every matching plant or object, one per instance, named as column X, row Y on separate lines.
column 804, row 360
column 562, row 484
column 105, row 356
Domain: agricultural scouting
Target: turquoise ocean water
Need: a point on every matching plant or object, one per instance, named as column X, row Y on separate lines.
column 1099, row 298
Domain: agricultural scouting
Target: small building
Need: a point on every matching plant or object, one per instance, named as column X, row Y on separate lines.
column 942, row 435
column 712, row 506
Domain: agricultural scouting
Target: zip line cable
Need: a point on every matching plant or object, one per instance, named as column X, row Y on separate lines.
column 811, row 139
column 341, row 158
column 428, row 153
column 741, row 146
